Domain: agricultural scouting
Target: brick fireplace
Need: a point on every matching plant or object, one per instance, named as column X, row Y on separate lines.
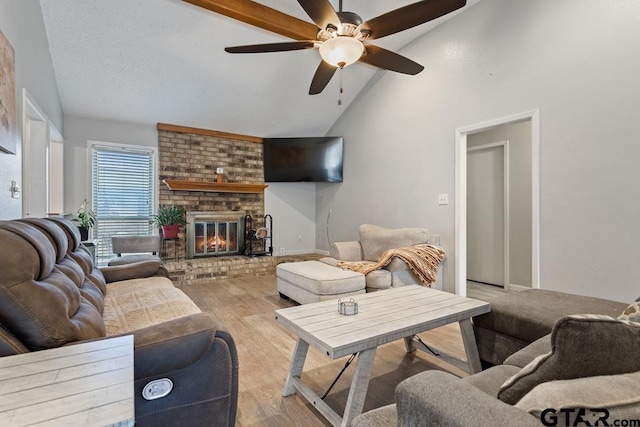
column 191, row 154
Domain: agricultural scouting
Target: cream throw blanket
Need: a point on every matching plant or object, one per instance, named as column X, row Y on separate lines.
column 422, row 259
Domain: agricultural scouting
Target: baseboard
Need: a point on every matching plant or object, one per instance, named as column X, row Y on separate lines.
column 517, row 288
column 298, row 252
column 321, row 252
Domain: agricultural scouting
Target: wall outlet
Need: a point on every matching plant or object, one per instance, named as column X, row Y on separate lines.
column 219, row 170
column 443, row 199
column 282, row 251
column 300, row 238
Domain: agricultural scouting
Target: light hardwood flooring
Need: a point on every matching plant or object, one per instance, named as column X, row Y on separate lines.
column 245, row 308
column 483, row 291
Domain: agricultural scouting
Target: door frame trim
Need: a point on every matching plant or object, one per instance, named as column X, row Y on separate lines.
column 505, row 198
column 461, row 194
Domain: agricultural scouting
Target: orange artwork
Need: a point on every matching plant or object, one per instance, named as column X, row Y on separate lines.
column 7, row 96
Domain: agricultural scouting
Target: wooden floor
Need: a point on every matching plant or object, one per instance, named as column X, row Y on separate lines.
column 245, row 307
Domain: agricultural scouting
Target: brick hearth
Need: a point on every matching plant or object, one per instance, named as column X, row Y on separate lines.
column 197, row 271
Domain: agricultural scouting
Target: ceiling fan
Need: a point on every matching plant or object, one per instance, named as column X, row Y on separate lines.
column 341, row 37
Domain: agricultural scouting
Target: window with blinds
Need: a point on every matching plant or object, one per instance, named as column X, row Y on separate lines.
column 123, row 194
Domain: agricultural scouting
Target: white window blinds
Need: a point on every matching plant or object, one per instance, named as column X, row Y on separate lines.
column 123, row 194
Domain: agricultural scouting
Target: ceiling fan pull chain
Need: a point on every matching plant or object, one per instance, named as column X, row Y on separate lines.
column 341, row 90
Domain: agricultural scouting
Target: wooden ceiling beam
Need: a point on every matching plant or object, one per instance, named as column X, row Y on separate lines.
column 261, row 16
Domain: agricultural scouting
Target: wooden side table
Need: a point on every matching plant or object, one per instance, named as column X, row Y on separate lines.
column 76, row 385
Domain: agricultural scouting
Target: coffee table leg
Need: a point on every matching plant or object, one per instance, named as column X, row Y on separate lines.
column 410, row 344
column 359, row 386
column 470, row 346
column 297, row 363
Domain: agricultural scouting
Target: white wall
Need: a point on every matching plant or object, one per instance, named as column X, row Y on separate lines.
column 21, row 23
column 77, row 180
column 293, row 208
column 574, row 60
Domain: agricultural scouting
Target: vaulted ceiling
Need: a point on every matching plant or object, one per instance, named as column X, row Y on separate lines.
column 149, row 61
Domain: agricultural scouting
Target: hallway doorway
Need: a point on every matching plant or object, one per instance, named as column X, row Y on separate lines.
column 505, row 245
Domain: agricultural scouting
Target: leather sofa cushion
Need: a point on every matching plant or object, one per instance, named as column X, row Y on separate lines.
column 376, row 240
column 135, row 304
column 582, row 346
column 39, row 304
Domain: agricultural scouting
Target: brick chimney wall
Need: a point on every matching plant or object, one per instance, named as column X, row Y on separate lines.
column 194, row 154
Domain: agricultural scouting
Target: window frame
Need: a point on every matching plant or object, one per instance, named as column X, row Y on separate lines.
column 92, row 145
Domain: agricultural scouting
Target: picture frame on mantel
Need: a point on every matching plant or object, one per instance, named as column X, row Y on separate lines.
column 8, row 134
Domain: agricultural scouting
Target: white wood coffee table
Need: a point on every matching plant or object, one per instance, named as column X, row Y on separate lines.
column 383, row 316
column 76, row 385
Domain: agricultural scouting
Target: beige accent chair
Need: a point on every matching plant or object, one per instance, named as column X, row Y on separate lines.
column 374, row 241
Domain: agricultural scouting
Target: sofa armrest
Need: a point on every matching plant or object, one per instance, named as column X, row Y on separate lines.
column 439, row 398
column 201, row 360
column 136, row 270
column 346, row 251
column 186, row 339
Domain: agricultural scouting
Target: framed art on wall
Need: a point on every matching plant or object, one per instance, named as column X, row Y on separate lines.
column 7, row 96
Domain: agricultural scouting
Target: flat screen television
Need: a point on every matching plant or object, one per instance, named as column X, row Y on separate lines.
column 306, row 159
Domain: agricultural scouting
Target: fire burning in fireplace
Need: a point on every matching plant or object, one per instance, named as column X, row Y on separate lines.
column 212, row 243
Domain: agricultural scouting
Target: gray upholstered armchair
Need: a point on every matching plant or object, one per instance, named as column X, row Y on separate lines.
column 140, row 248
column 374, row 241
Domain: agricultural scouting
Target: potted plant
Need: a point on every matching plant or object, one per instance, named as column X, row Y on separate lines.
column 169, row 219
column 86, row 218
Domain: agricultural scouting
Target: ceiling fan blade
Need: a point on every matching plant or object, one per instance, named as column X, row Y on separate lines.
column 322, row 77
column 261, row 16
column 321, row 12
column 409, row 16
column 271, row 47
column 388, row 60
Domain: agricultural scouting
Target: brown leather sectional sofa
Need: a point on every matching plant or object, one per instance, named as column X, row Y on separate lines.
column 52, row 295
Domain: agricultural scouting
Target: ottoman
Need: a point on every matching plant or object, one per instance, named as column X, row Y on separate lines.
column 312, row 281
column 519, row 318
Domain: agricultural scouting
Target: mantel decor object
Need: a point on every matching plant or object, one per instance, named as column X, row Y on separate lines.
column 219, row 174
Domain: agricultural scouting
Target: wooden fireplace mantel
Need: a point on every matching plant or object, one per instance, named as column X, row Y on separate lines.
column 213, row 187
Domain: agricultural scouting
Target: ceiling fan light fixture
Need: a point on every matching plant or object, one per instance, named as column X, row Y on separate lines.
column 341, row 51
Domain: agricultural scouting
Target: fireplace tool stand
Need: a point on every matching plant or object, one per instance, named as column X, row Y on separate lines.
column 258, row 241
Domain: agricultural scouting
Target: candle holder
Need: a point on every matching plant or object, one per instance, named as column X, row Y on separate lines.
column 348, row 308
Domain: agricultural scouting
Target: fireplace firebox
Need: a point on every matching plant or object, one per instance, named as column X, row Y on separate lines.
column 213, row 234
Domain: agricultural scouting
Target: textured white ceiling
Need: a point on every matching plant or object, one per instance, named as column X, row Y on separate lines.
column 149, row 61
